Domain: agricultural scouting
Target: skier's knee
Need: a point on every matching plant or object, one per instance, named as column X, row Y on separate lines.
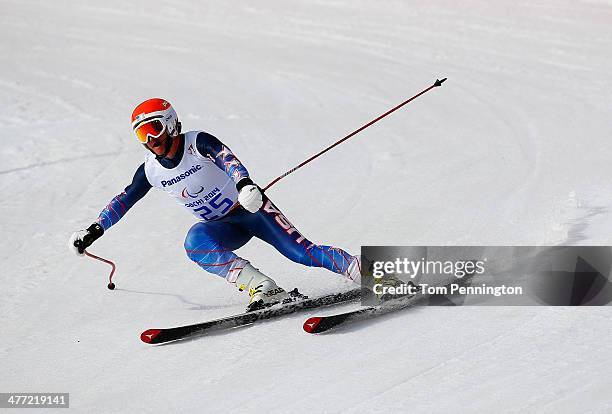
column 194, row 240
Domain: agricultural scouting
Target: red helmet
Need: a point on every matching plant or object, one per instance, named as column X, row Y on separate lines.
column 152, row 117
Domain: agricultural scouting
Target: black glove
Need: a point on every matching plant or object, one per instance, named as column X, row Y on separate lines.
column 82, row 239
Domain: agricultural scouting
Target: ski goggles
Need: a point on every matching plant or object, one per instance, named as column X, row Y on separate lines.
column 152, row 129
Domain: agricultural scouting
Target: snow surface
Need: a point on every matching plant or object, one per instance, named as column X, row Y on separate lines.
column 513, row 149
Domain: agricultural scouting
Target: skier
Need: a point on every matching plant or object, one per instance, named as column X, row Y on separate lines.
column 204, row 176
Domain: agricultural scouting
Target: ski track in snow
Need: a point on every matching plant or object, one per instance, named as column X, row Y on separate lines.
column 513, row 149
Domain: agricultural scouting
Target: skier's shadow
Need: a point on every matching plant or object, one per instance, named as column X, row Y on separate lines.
column 194, row 305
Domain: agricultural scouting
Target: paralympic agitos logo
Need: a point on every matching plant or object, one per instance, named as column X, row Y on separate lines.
column 185, row 193
column 201, row 198
column 194, row 169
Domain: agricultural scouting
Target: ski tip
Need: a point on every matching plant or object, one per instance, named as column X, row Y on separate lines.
column 311, row 324
column 149, row 335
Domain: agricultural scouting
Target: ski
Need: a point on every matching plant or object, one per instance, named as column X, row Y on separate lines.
column 319, row 324
column 162, row 335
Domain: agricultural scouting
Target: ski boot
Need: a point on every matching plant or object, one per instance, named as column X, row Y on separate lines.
column 263, row 291
column 354, row 271
column 392, row 281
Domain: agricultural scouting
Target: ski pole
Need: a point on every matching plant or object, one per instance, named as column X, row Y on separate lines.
column 111, row 285
column 437, row 83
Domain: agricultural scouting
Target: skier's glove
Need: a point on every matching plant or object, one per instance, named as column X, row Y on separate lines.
column 250, row 197
column 82, row 239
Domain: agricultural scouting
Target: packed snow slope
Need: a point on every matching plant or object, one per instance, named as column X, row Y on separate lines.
column 515, row 148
